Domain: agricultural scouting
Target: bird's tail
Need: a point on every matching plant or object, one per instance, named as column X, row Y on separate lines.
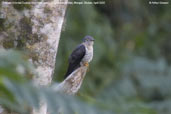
column 70, row 70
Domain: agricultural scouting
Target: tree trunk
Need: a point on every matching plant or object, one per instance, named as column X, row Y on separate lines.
column 35, row 29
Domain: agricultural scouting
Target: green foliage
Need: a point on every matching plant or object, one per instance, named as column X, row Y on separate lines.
column 130, row 71
column 19, row 94
column 131, row 54
column 28, row 97
column 12, row 66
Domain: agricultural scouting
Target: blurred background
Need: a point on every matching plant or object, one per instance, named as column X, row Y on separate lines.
column 130, row 72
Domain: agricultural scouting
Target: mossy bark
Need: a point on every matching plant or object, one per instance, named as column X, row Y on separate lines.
column 36, row 30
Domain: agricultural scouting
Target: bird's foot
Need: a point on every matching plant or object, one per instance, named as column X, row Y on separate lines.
column 86, row 64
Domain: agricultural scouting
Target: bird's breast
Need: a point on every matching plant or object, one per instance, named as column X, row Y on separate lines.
column 88, row 55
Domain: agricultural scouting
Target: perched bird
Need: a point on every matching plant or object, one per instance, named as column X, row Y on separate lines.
column 81, row 56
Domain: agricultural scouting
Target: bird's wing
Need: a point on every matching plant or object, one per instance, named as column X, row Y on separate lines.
column 75, row 59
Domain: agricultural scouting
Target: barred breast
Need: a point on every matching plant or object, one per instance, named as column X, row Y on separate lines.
column 89, row 54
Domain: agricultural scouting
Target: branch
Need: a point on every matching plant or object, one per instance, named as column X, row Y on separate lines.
column 73, row 82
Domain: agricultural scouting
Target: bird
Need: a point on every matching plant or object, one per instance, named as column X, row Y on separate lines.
column 82, row 55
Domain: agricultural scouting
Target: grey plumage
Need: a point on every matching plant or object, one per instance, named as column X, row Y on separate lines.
column 82, row 54
column 75, row 59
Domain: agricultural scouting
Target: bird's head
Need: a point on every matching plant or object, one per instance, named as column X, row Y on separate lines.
column 88, row 40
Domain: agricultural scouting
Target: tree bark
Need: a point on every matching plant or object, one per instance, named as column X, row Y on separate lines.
column 72, row 83
column 35, row 30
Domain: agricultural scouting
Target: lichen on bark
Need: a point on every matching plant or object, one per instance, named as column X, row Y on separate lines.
column 16, row 27
column 36, row 30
